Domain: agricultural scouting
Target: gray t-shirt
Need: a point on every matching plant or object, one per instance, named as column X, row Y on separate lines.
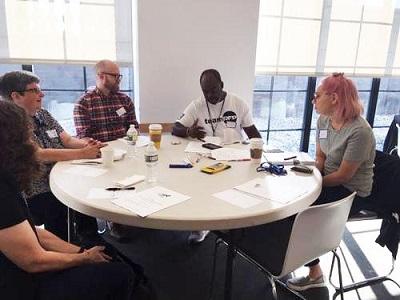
column 353, row 142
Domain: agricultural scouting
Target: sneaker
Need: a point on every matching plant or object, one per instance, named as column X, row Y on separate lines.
column 196, row 237
column 304, row 283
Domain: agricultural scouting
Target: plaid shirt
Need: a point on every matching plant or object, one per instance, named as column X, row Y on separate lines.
column 104, row 118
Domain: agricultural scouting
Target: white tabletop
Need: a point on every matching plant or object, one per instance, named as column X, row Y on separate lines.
column 202, row 211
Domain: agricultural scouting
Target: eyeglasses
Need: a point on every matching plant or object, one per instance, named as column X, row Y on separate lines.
column 32, row 90
column 116, row 76
column 272, row 168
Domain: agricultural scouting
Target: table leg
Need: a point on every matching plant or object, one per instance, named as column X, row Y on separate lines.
column 229, row 265
column 69, row 225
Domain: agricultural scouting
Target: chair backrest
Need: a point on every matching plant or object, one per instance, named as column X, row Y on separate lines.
column 398, row 139
column 316, row 231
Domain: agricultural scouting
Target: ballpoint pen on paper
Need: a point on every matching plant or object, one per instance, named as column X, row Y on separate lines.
column 89, row 162
column 201, row 140
column 291, row 157
column 113, row 189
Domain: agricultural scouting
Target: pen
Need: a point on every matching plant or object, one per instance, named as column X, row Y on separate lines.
column 292, row 157
column 113, row 189
column 201, row 140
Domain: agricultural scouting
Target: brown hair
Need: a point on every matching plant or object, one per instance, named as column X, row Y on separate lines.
column 17, row 152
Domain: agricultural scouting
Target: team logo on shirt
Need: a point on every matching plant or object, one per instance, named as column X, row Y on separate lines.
column 229, row 118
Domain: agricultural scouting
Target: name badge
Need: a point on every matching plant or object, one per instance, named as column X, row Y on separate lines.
column 121, row 111
column 323, row 134
column 52, row 133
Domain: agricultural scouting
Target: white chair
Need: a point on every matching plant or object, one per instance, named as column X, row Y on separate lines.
column 315, row 231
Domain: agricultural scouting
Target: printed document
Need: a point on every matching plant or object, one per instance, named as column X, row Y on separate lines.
column 150, row 201
column 282, row 189
column 237, row 198
column 288, row 158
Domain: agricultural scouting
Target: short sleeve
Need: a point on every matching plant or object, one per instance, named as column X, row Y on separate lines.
column 357, row 145
column 12, row 211
column 247, row 120
column 188, row 117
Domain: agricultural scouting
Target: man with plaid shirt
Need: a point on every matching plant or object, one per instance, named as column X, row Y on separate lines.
column 104, row 113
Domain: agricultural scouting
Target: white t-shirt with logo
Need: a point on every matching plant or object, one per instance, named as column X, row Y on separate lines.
column 233, row 113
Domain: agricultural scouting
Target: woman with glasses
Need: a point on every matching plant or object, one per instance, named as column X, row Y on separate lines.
column 345, row 154
column 34, row 263
column 345, row 157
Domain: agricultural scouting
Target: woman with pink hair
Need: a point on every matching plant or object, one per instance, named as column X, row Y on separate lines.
column 345, row 154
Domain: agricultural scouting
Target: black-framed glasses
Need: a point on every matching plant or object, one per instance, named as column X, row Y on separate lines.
column 32, row 90
column 115, row 75
column 272, row 168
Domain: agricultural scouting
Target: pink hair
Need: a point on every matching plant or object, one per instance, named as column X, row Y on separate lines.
column 349, row 104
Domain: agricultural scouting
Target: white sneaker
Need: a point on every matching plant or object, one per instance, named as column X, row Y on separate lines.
column 196, row 237
column 305, row 283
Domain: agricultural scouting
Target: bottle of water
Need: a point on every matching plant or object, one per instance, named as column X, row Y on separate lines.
column 132, row 136
column 151, row 160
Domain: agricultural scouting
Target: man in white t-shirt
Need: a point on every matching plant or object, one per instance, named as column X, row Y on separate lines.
column 213, row 114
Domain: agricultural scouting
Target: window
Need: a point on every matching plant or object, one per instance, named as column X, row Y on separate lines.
column 388, row 105
column 278, row 109
column 64, row 84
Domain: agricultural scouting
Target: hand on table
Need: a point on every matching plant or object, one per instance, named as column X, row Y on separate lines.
column 196, row 131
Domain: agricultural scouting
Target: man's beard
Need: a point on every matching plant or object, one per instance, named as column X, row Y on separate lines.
column 112, row 87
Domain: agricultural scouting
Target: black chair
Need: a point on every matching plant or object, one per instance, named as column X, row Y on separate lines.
column 382, row 204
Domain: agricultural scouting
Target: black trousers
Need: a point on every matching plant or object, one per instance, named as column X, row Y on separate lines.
column 267, row 243
column 103, row 281
column 46, row 209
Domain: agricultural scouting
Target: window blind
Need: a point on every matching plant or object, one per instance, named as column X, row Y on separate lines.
column 65, row 31
column 318, row 37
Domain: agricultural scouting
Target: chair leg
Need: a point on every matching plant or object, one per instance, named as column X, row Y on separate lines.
column 218, row 241
column 340, row 275
column 341, row 289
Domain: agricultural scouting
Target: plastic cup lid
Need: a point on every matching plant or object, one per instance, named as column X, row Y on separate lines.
column 155, row 126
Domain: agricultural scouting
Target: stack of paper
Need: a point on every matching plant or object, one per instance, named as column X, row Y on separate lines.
column 195, row 147
column 85, row 171
column 288, row 158
column 231, row 154
column 150, row 201
column 275, row 188
column 129, row 181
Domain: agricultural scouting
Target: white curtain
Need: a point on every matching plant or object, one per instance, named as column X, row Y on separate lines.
column 65, row 31
column 317, row 37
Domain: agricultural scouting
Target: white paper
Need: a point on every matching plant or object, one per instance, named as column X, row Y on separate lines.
column 197, row 148
column 141, row 141
column 282, row 189
column 279, row 158
column 85, row 171
column 99, row 193
column 102, row 193
column 131, row 180
column 213, row 140
column 231, row 154
column 150, row 201
column 237, row 198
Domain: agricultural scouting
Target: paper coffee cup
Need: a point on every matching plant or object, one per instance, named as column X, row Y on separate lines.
column 155, row 132
column 107, row 156
column 256, row 149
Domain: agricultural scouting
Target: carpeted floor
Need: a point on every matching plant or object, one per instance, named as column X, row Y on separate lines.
column 179, row 271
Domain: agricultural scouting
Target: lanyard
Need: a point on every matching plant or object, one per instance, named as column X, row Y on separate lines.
column 209, row 114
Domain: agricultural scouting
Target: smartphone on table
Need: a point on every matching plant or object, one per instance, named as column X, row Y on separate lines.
column 211, row 146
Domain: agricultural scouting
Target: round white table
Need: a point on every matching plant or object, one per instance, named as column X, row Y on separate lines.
column 201, row 211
